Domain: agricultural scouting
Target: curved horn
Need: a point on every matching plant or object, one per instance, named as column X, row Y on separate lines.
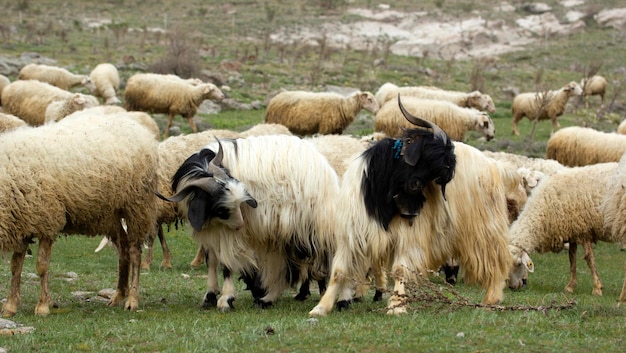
column 215, row 165
column 207, row 184
column 421, row 122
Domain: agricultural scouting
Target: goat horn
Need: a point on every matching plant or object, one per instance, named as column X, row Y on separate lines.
column 421, row 122
column 216, row 163
column 207, row 184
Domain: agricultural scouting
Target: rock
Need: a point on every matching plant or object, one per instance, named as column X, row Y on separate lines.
column 106, row 293
column 536, row 8
column 615, row 18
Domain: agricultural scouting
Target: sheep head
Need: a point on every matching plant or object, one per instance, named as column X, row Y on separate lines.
column 573, row 89
column 206, row 191
column 522, row 265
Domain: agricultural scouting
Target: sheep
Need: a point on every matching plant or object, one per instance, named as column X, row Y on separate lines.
column 55, row 76
column 261, row 202
column 578, row 146
column 621, row 128
column 452, row 119
column 475, row 99
column 308, row 113
column 538, row 106
column 391, row 211
column 613, row 211
column 106, row 80
column 155, row 94
column 546, row 166
column 563, row 208
column 30, row 99
column 113, row 111
column 593, row 86
column 9, row 122
column 339, row 150
column 88, row 180
column 4, row 81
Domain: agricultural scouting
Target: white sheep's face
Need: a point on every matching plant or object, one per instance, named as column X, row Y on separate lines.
column 522, row 265
column 574, row 89
column 486, row 126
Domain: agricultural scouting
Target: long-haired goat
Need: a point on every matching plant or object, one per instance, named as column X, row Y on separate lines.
column 391, row 213
column 259, row 203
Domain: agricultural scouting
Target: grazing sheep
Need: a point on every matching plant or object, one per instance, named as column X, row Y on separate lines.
column 308, row 113
column 55, row 76
column 29, row 100
column 155, row 94
column 9, row 122
column 563, row 208
column 577, row 146
column 543, row 105
column 613, row 208
column 593, row 86
column 392, row 209
column 4, row 81
column 88, row 180
column 475, row 99
column 106, row 81
column 288, row 227
column 452, row 119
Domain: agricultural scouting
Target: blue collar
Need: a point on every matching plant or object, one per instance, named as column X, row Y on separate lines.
column 397, row 148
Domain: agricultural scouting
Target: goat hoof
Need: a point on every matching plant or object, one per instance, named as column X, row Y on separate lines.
column 378, row 295
column 210, row 301
column 262, row 304
column 343, row 304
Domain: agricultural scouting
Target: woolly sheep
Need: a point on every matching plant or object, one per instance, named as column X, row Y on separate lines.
column 155, row 94
column 621, row 128
column 452, row 119
column 563, row 208
column 30, row 99
column 10, row 122
column 106, row 80
column 55, row 76
column 290, row 224
column 593, row 86
column 543, row 105
column 475, row 99
column 339, row 150
column 374, row 230
column 113, row 111
column 613, row 208
column 4, row 81
column 308, row 113
column 577, row 146
column 89, row 179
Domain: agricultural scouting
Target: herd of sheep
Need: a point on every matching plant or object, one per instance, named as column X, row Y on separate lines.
column 293, row 199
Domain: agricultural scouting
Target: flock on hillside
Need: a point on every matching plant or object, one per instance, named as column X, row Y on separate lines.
column 293, row 199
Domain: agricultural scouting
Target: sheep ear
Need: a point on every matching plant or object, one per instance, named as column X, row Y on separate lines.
column 528, row 262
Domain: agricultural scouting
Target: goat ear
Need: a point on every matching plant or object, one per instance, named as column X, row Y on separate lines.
column 251, row 201
column 195, row 213
column 413, row 157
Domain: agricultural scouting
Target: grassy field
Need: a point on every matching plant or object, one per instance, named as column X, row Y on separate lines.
column 205, row 34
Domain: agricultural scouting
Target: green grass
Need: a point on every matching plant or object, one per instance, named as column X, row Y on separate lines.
column 170, row 318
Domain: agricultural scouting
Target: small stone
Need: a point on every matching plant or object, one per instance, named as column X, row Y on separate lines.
column 460, row 335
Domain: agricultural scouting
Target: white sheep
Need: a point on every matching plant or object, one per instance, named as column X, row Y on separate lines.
column 543, row 105
column 88, row 180
column 454, row 120
column 563, row 208
column 29, row 100
column 577, row 146
column 106, row 80
column 613, row 208
column 475, row 99
column 308, row 113
column 593, row 86
column 114, row 111
column 339, row 150
column 4, row 81
column 9, row 122
column 55, row 76
column 621, row 128
column 155, row 94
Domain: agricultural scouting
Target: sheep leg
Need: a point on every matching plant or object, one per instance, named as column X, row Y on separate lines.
column 622, row 296
column 166, row 133
column 132, row 303
column 167, row 254
column 43, row 264
column 147, row 260
column 515, row 130
column 200, row 257
column 194, row 128
column 210, row 299
column 9, row 308
column 591, row 262
column 573, row 282
column 121, row 242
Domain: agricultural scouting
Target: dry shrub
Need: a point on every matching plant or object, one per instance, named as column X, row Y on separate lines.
column 181, row 59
